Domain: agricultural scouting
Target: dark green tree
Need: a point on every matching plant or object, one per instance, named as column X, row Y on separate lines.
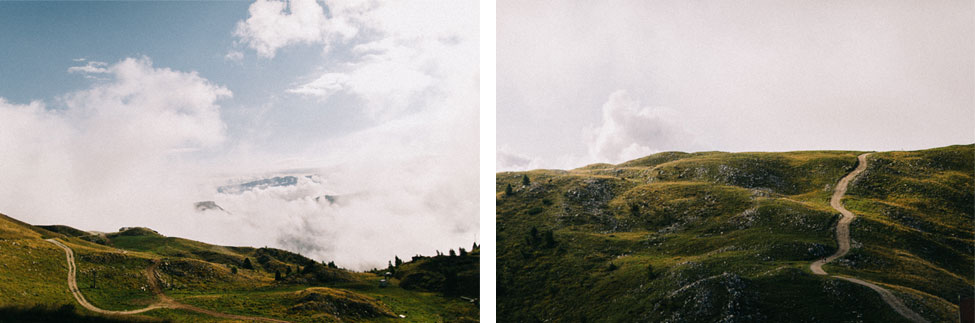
column 650, row 273
column 612, row 267
column 247, row 264
column 525, row 181
column 452, row 253
column 474, row 247
column 331, row 264
column 277, row 274
column 397, row 261
column 549, row 239
column 533, row 235
column 508, row 190
column 287, row 271
column 233, row 270
column 461, row 251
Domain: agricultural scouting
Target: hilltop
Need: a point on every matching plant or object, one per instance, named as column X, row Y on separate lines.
column 154, row 278
column 729, row 237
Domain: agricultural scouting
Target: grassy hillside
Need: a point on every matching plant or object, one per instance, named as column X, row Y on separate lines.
column 714, row 236
column 113, row 273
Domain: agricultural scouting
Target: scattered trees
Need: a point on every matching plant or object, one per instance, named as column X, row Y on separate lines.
column 546, row 239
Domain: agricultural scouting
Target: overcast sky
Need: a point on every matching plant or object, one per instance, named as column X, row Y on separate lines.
column 608, row 81
column 127, row 113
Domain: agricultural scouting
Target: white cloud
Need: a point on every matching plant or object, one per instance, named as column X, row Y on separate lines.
column 92, row 67
column 388, row 79
column 276, row 24
column 234, row 55
column 324, row 86
column 630, row 131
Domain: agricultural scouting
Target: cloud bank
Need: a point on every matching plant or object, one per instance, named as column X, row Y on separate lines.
column 107, row 154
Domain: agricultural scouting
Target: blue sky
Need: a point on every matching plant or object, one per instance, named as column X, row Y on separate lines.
column 127, row 113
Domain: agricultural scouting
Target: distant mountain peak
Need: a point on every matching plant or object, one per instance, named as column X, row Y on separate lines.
column 208, row 205
column 258, row 184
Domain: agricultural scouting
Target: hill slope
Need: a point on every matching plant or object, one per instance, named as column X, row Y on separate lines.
column 189, row 281
column 704, row 237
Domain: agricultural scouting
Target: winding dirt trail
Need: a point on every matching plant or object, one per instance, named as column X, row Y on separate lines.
column 73, row 286
column 153, row 278
column 843, row 240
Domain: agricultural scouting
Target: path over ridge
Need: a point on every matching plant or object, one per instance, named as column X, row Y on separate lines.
column 843, row 240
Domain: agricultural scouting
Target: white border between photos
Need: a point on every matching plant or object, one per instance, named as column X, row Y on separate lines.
column 488, row 141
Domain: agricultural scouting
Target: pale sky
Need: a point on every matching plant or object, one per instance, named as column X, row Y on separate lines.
column 120, row 114
column 607, row 81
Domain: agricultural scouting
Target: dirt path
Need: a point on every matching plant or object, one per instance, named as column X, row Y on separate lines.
column 843, row 240
column 168, row 302
column 73, row 286
column 153, row 278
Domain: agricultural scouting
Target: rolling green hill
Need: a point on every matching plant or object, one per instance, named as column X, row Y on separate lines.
column 728, row 237
column 181, row 280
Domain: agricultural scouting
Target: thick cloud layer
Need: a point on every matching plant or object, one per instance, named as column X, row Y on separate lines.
column 108, row 153
column 413, row 69
column 125, row 152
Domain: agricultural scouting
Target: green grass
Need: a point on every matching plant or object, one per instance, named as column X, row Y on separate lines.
column 280, row 302
column 33, row 281
column 704, row 236
column 32, row 271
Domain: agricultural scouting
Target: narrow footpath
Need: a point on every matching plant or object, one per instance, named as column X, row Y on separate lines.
column 843, row 240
